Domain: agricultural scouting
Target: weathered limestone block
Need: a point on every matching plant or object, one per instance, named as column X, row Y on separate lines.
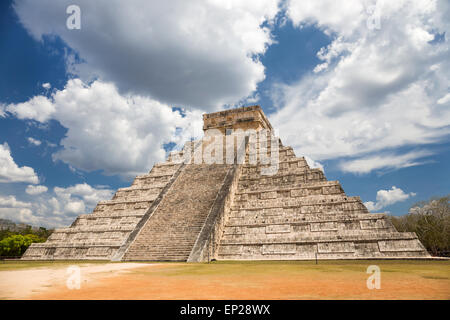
column 299, row 192
column 279, row 249
column 400, row 245
column 373, row 224
column 268, row 195
column 324, row 226
column 99, row 251
column 233, row 249
column 335, row 247
column 278, row 228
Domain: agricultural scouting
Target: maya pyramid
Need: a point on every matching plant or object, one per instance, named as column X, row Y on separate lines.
column 250, row 198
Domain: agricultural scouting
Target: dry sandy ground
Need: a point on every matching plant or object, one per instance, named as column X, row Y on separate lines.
column 189, row 281
column 29, row 283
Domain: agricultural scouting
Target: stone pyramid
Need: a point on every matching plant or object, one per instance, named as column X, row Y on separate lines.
column 230, row 196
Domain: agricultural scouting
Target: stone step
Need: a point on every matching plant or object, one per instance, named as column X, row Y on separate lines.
column 312, row 231
column 392, row 249
column 349, row 203
column 294, row 213
column 290, row 198
column 295, row 162
column 126, row 201
column 311, row 174
column 96, row 229
column 91, row 244
column 157, row 239
column 292, row 220
column 315, row 188
column 168, row 251
column 324, row 237
column 151, row 180
column 127, row 197
column 150, row 183
column 167, row 165
column 165, row 176
column 112, row 214
column 122, row 206
column 165, row 249
column 142, row 188
column 256, row 160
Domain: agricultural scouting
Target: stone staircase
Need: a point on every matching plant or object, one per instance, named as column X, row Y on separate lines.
column 297, row 214
column 172, row 230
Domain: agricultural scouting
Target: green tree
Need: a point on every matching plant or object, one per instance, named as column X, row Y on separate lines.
column 430, row 220
column 15, row 245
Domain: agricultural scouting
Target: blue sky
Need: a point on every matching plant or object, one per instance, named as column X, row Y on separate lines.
column 361, row 89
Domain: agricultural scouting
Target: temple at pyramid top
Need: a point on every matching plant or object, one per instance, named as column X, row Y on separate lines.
column 244, row 118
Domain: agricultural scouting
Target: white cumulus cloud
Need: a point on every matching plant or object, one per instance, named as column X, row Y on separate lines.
column 55, row 208
column 388, row 197
column 11, row 172
column 32, row 190
column 386, row 161
column 201, row 53
column 12, row 202
column 445, row 99
column 34, row 141
column 75, row 207
column 108, row 131
column 38, row 108
column 83, row 192
column 314, row 164
column 377, row 89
